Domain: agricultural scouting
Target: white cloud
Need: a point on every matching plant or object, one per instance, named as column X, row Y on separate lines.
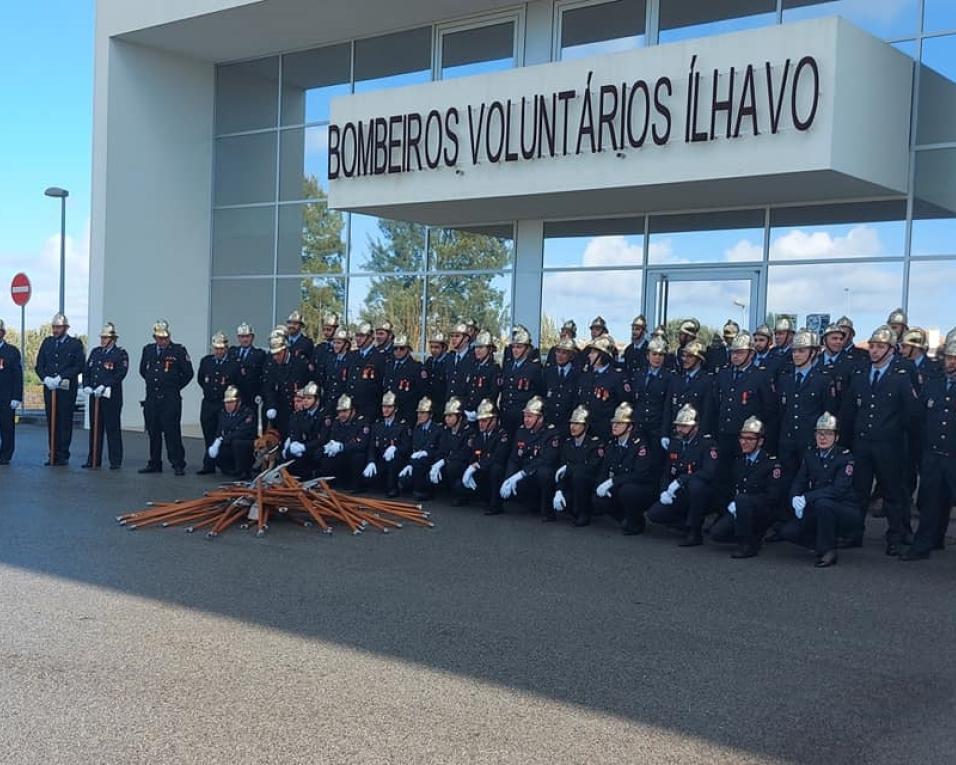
column 860, row 241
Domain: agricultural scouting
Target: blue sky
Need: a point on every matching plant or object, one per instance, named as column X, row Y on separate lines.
column 46, row 82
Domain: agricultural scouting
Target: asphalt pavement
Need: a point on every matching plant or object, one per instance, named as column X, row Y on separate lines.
column 483, row 640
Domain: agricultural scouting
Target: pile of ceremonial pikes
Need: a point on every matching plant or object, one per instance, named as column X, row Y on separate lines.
column 277, row 494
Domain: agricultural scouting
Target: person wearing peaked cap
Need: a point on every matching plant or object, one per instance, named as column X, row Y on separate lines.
column 458, row 362
column 488, row 452
column 103, row 376
column 878, row 413
column 759, row 487
column 484, row 375
column 561, row 382
column 598, row 327
column 345, row 445
column 822, row 497
column 59, row 363
column 603, row 386
column 521, row 380
column 284, row 373
column 167, row 369
column 635, row 355
column 436, row 368
column 384, row 336
column 305, row 432
column 11, row 395
column 406, row 378
column 323, row 348
column 652, row 386
column 300, row 344
column 937, row 484
column 333, row 376
column 688, row 485
column 366, row 373
column 692, row 385
column 579, row 459
column 232, row 449
column 531, row 464
column 251, row 362
column 451, row 456
column 424, row 445
column 389, row 447
column 216, row 373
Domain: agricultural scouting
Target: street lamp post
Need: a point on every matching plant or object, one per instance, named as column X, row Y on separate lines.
column 743, row 312
column 61, row 194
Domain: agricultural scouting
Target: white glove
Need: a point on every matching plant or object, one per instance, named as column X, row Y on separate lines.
column 214, row 448
column 673, row 487
column 665, row 443
column 370, row 470
column 419, row 454
column 558, row 502
column 604, row 489
column 434, row 475
column 332, row 448
column 107, row 392
column 468, row 479
column 14, row 404
column 666, row 498
column 389, row 454
column 48, row 383
column 732, row 509
column 799, row 504
column 559, row 473
column 87, row 391
column 405, row 472
column 56, row 380
column 271, row 414
column 296, row 448
column 517, row 478
column 507, row 488
column 258, row 400
column 472, row 416
column 98, row 390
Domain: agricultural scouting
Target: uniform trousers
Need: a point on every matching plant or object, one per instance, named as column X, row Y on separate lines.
column 687, row 511
column 937, row 494
column 107, row 423
column 824, row 520
column 209, row 422
column 7, row 430
column 487, row 487
column 628, row 503
column 577, row 484
column 163, row 415
column 752, row 520
column 235, row 457
column 882, row 460
column 65, row 403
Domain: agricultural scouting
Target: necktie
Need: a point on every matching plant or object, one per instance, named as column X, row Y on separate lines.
column 243, row 353
column 736, row 375
column 949, row 386
column 875, row 378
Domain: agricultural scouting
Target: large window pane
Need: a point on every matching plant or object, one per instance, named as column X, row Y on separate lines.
column 826, row 232
column 594, row 243
column 615, row 295
column 242, row 241
column 313, row 298
column 478, row 50
column 486, row 298
column 390, row 61
column 247, row 95
column 939, row 15
column 397, row 298
column 304, row 158
column 936, row 119
column 246, row 169
column 381, row 245
column 311, row 239
column 478, row 249
column 681, row 20
column 886, row 19
column 866, row 292
column 726, row 237
column 602, row 28
column 237, row 300
column 934, row 203
column 311, row 79
column 931, row 297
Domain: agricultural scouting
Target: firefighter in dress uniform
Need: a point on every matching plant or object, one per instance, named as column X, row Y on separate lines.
column 424, row 445
column 531, row 467
column 389, row 446
column 11, row 395
column 488, row 451
column 103, row 376
column 232, row 449
column 216, row 373
column 60, row 361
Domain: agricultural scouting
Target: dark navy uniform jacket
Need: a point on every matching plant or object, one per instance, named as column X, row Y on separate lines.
column 307, row 427
column 520, row 381
column 251, row 364
column 215, row 376
column 692, row 460
column 629, row 462
column 11, row 374
column 825, row 475
column 561, row 386
column 452, row 445
column 166, row 370
column 759, row 477
column 385, row 434
column 437, row 383
column 408, row 380
column 281, row 381
column 366, row 378
column 334, row 379
column 484, row 381
column 801, row 404
column 353, row 434
column 64, row 357
column 601, row 392
column 939, row 416
column 107, row 367
column 302, row 346
column 741, row 394
column 652, row 389
column 635, row 356
column 491, row 448
column 457, row 370
column 425, row 437
column 887, row 412
column 585, row 458
column 696, row 390
column 534, row 450
column 238, row 426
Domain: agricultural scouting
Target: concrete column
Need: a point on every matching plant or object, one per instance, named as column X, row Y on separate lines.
column 529, row 257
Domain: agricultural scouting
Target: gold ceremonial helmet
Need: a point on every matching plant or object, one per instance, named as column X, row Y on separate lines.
column 520, row 337
column 827, row 422
column 344, row 403
column 897, row 316
column 330, row 320
column 783, row 324
column 763, row 331
column 752, row 425
column 342, row 334
column 623, row 414
column 883, row 334
column 731, row 329
column 639, row 321
column 401, row 341
column 280, row 331
column 805, row 339
column 604, row 344
column 598, row 321
column 294, row 318
column 219, row 340
column 364, row 328
column 832, row 329
column 742, row 342
column 454, row 406
column 695, row 348
column 657, row 345
column 566, row 344
column 59, row 320
column 277, row 344
column 916, row 337
column 161, row 328
column 388, row 398
column 460, row 329
column 689, row 327
column 438, row 337
column 579, row 416
column 424, row 405
column 472, row 324
column 950, row 348
column 245, row 329
column 385, row 325
column 310, row 389
column 686, row 416
column 846, row 322
column 486, row 410
column 231, row 394
column 570, row 326
column 109, row 330
column 535, row 405
column 484, row 340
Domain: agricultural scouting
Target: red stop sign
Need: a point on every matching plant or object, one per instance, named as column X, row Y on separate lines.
column 20, row 289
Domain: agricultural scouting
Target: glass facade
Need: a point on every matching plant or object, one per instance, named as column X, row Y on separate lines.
column 276, row 245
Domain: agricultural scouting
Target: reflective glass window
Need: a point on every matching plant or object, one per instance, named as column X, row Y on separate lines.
column 724, row 237
column 934, row 203
column 304, row 163
column 311, row 79
column 486, row 298
column 380, row 245
column 397, row 298
column 594, row 243
column 245, row 169
column 313, row 297
column 681, row 20
column 487, row 248
column 931, row 297
column 391, row 61
column 936, row 120
column 826, row 232
column 311, row 239
column 889, row 20
column 600, row 28
column 614, row 295
column 242, row 241
column 488, row 48
column 939, row 16
column 247, row 95
column 234, row 301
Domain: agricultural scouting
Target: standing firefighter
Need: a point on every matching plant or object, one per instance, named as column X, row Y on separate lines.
column 216, row 373
column 231, row 450
column 11, row 394
column 167, row 369
column 284, row 374
column 103, row 377
column 59, row 364
column 250, row 362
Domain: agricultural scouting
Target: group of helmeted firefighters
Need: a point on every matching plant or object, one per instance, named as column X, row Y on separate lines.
column 775, row 434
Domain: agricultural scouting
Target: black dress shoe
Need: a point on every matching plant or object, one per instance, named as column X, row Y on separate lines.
column 206, row 471
column 773, row 536
column 693, row 539
column 745, row 551
column 894, row 550
column 4, row 462
column 179, row 471
column 150, row 469
column 829, row 558
column 494, row 511
column 912, row 554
